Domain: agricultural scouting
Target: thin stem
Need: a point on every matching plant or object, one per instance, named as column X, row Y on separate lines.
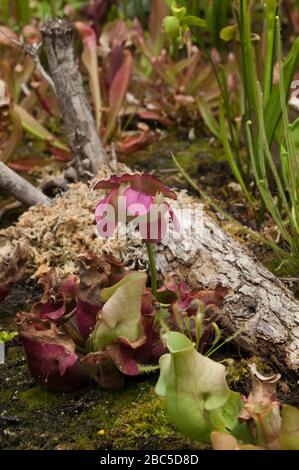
column 223, row 91
column 152, row 263
column 53, row 8
column 271, row 12
column 5, row 11
column 24, row 11
column 249, row 58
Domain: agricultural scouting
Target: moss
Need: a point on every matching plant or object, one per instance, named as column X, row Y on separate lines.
column 36, row 398
column 280, row 267
column 5, row 396
column 239, row 375
column 190, row 155
column 83, row 443
column 141, row 423
column 6, row 336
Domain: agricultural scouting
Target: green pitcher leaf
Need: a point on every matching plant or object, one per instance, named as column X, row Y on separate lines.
column 109, row 291
column 121, row 314
column 194, row 388
column 273, row 107
column 31, row 125
column 289, row 431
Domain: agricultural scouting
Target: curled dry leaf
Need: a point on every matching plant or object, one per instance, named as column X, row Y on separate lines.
column 13, row 262
column 223, row 441
column 8, row 37
column 10, row 124
column 97, row 272
column 263, row 409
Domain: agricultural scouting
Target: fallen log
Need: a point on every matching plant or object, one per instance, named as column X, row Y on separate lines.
column 258, row 306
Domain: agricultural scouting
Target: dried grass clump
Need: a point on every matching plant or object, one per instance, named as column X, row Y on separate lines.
column 58, row 234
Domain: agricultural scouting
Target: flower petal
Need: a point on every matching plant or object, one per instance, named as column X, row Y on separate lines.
column 137, row 203
column 139, row 182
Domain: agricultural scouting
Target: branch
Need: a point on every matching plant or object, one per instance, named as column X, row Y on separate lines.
column 88, row 152
column 16, row 186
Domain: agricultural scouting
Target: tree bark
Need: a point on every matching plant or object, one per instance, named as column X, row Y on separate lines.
column 14, row 185
column 259, row 306
column 88, row 152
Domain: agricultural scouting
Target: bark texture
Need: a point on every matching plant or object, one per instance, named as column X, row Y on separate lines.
column 14, row 185
column 88, row 152
column 259, row 305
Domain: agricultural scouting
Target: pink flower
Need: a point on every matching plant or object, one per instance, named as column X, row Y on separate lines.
column 139, row 198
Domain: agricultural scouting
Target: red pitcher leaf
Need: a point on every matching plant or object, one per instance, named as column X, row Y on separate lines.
column 8, row 37
column 135, row 142
column 114, row 32
column 116, row 60
column 112, row 41
column 90, row 60
column 97, row 12
column 129, row 356
column 124, row 354
column 213, row 297
column 159, row 9
column 147, row 303
column 51, row 358
column 27, row 163
column 59, row 154
column 118, row 92
column 103, row 370
column 86, row 316
column 156, row 116
column 51, row 311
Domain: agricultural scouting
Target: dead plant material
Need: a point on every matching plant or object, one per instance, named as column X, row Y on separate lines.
column 13, row 261
column 58, row 234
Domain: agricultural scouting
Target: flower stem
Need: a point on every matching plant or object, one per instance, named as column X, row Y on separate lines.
column 152, row 263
